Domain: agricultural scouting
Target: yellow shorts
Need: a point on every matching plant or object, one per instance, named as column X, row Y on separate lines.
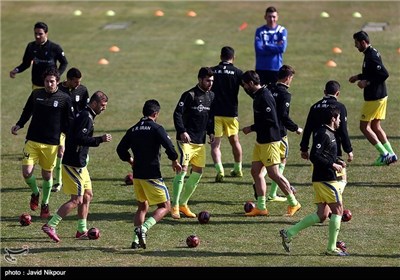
column 374, row 110
column 62, row 139
column 192, row 153
column 227, row 126
column 284, row 147
column 37, row 153
column 328, row 192
column 153, row 190
column 75, row 180
column 268, row 154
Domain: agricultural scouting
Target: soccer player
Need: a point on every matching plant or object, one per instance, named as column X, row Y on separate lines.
column 270, row 42
column 314, row 121
column 328, row 190
column 52, row 113
column 192, row 122
column 145, row 139
column 80, row 97
column 372, row 81
column 283, row 98
column 77, row 182
column 266, row 152
column 42, row 54
column 227, row 81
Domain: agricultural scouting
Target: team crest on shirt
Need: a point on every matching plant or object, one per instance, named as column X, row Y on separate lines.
column 378, row 67
column 77, row 98
column 55, row 103
column 318, row 146
column 181, row 104
column 287, row 104
column 84, row 130
column 268, row 109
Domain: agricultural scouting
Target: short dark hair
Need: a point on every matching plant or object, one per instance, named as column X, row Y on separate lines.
column 271, row 10
column 361, row 36
column 251, row 75
column 41, row 25
column 285, row 71
column 205, row 72
column 227, row 53
column 74, row 73
column 150, row 107
column 331, row 87
column 98, row 96
column 51, row 71
column 331, row 112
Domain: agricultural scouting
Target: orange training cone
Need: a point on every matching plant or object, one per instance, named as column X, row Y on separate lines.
column 331, row 63
column 103, row 61
column 243, row 26
column 337, row 50
column 159, row 13
column 114, row 49
column 191, row 14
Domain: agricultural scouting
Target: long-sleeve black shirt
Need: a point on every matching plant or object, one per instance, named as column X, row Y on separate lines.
column 282, row 98
column 80, row 138
column 79, row 96
column 323, row 154
column 144, row 140
column 192, row 115
column 42, row 57
column 375, row 72
column 266, row 123
column 227, row 81
column 52, row 113
column 314, row 121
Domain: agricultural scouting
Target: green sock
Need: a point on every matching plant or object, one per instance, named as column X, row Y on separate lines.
column 388, row 147
column 31, row 182
column 334, row 228
column 381, row 149
column 261, row 202
column 82, row 225
column 46, row 191
column 148, row 224
column 54, row 221
column 177, row 187
column 57, row 171
column 292, row 200
column 237, row 166
column 306, row 222
column 220, row 168
column 274, row 186
column 190, row 187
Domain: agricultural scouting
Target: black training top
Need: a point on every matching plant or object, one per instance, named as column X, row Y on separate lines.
column 42, row 57
column 192, row 115
column 323, row 155
column 52, row 113
column 79, row 96
column 265, row 117
column 80, row 138
column 145, row 139
column 282, row 99
column 227, row 81
column 314, row 121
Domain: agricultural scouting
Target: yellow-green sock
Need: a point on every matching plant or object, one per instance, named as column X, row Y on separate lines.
column 46, row 188
column 237, row 166
column 148, row 224
column 388, row 147
column 292, row 200
column 334, row 228
column 219, row 168
column 31, row 182
column 82, row 225
column 306, row 222
column 381, row 149
column 54, row 221
column 261, row 202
